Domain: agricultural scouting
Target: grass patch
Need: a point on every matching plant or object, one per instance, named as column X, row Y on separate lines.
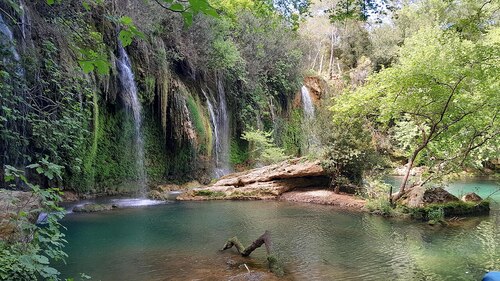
column 209, row 193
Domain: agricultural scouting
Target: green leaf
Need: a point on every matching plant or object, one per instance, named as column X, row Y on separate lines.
column 102, row 66
column 86, row 6
column 177, row 7
column 188, row 18
column 126, row 20
column 125, row 37
column 86, row 66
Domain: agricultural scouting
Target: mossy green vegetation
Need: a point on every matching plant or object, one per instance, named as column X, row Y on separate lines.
column 438, row 211
column 209, row 193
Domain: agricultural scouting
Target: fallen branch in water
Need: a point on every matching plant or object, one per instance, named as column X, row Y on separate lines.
column 274, row 265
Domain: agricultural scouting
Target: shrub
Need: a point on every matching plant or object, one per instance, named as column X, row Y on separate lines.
column 262, row 147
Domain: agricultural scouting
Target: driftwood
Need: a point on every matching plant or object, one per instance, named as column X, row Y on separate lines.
column 274, row 265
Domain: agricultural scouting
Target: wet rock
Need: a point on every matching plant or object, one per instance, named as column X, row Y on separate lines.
column 420, row 196
column 171, row 191
column 471, row 197
column 93, row 207
column 324, row 197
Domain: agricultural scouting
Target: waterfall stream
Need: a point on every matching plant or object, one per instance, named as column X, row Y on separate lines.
column 220, row 126
column 130, row 96
column 307, row 103
column 222, row 143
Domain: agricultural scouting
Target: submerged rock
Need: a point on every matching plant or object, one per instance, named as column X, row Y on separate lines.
column 471, row 197
column 93, row 207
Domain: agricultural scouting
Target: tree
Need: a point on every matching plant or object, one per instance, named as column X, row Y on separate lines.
column 442, row 96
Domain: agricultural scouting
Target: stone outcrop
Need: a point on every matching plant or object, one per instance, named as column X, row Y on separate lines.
column 424, row 203
column 420, row 196
column 171, row 191
column 264, row 183
column 471, row 197
column 324, row 197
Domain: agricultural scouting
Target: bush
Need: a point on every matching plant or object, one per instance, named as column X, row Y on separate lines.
column 435, row 215
column 262, row 147
column 28, row 253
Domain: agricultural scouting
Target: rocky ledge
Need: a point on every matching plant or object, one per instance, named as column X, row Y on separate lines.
column 268, row 182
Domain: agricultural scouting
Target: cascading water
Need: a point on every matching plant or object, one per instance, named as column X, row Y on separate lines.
column 307, row 103
column 220, row 126
column 222, row 144
column 130, row 96
column 213, row 119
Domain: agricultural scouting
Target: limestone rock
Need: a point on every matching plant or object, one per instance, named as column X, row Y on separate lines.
column 420, row 196
column 267, row 182
column 471, row 197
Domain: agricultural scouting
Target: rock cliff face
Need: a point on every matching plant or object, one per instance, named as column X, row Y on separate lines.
column 264, row 183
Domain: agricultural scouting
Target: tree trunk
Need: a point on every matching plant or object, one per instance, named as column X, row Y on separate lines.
column 274, row 265
column 330, row 64
column 321, row 64
column 406, row 177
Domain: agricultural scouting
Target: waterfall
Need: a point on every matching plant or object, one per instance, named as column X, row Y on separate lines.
column 220, row 126
column 213, row 120
column 307, row 103
column 7, row 40
column 222, row 144
column 130, row 96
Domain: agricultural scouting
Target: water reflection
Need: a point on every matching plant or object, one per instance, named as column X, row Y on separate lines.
column 180, row 241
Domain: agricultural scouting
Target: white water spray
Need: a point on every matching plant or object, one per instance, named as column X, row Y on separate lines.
column 130, row 96
column 307, row 103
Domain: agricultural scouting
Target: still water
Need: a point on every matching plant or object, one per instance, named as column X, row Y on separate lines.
column 180, row 241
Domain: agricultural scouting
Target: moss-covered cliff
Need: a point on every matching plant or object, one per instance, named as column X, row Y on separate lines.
column 52, row 109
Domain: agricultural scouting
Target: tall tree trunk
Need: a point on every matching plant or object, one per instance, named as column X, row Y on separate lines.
column 330, row 65
column 321, row 64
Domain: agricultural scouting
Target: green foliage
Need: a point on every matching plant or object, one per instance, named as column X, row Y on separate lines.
column 128, row 32
column 435, row 215
column 358, row 9
column 209, row 193
column 441, row 96
column 438, row 211
column 201, row 125
column 29, row 256
column 155, row 151
column 293, row 135
column 262, row 148
column 380, row 206
column 377, row 193
column 238, row 153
